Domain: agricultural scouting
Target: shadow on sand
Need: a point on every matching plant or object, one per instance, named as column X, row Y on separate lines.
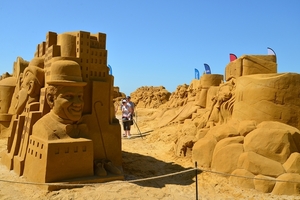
column 137, row 167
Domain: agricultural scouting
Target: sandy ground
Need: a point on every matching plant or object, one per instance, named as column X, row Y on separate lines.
column 151, row 172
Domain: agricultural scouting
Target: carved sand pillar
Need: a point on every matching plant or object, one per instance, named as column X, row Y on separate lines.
column 207, row 80
column 7, row 87
column 67, row 44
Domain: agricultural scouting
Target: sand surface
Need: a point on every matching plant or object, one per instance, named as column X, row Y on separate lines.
column 151, row 170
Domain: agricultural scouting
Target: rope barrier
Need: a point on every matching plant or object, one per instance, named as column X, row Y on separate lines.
column 146, row 179
column 161, row 176
column 93, row 184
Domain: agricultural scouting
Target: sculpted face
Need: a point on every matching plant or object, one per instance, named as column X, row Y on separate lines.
column 182, row 92
column 27, row 77
column 68, row 103
column 225, row 92
column 26, row 82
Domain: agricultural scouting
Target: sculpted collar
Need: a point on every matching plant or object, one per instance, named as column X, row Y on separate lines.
column 61, row 120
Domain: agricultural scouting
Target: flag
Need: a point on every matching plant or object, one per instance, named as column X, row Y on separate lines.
column 197, row 74
column 271, row 51
column 232, row 57
column 207, row 69
column 110, row 70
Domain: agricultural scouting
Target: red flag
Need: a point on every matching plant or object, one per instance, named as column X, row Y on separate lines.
column 232, row 57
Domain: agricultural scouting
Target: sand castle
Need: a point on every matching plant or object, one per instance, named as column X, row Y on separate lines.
column 57, row 111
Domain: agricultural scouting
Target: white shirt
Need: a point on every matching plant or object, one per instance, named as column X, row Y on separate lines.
column 126, row 110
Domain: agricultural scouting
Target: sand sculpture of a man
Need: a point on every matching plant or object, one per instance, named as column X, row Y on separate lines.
column 31, row 83
column 64, row 94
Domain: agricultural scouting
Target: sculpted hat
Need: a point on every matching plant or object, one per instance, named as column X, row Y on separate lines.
column 37, row 72
column 36, row 66
column 37, row 61
column 66, row 73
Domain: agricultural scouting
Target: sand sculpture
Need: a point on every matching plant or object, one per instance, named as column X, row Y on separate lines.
column 10, row 85
column 181, row 104
column 150, row 97
column 249, row 127
column 61, row 128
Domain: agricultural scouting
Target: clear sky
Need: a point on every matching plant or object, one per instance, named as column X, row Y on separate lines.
column 158, row 42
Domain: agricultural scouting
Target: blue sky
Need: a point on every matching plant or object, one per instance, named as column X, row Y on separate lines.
column 158, row 42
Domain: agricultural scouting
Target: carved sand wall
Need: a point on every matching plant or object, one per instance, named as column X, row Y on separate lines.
column 251, row 64
column 268, row 97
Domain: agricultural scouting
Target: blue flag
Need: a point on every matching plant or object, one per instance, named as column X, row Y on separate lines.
column 110, row 70
column 197, row 74
column 207, row 69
